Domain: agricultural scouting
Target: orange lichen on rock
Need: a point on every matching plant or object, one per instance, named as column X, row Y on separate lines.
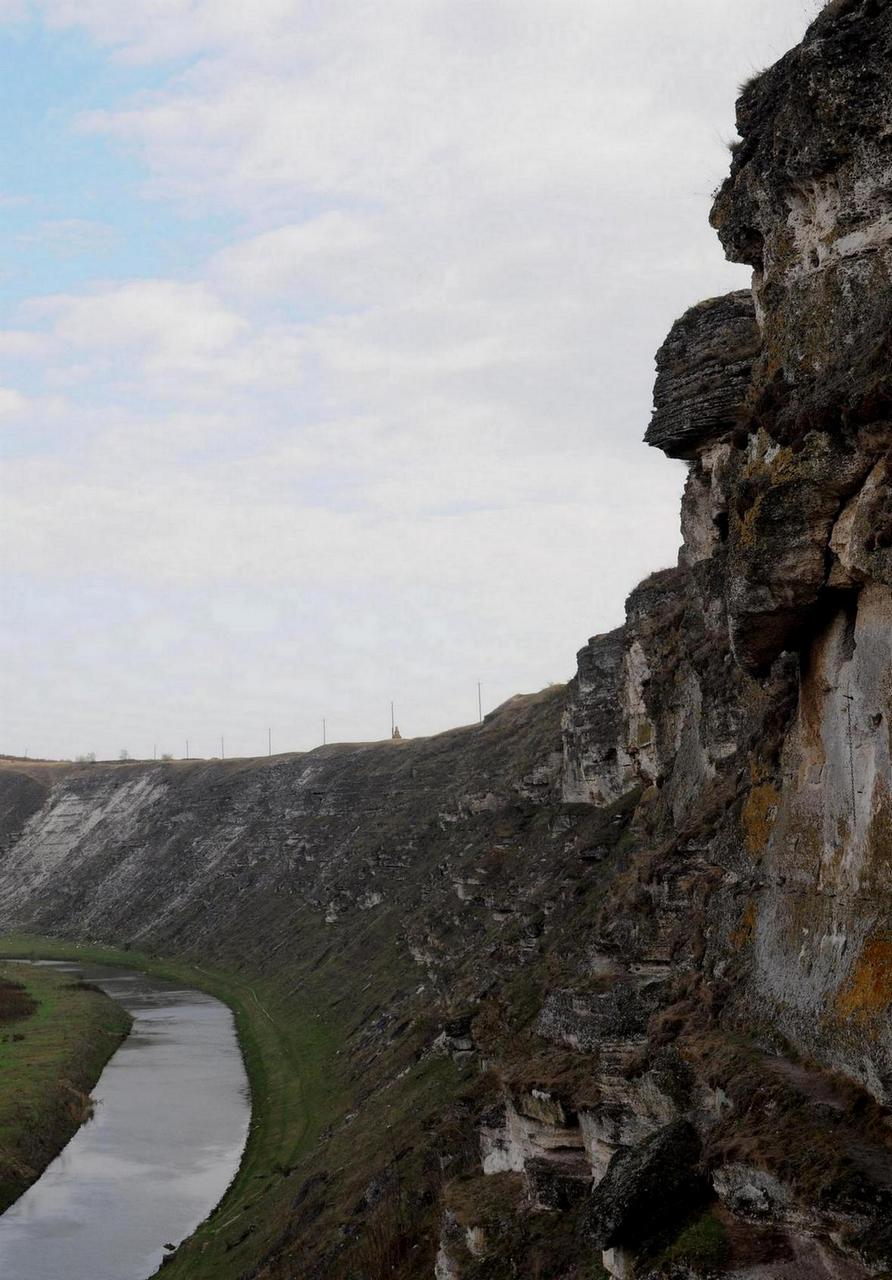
column 758, row 816
column 868, row 992
column 748, row 523
column 747, row 926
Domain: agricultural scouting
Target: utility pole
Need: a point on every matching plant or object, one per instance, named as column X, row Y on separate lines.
column 269, row 742
column 187, row 748
column 155, row 751
column 480, row 702
column 323, row 731
column 392, row 720
column 222, row 749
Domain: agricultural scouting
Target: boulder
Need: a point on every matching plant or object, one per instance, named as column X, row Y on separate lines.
column 648, row 1188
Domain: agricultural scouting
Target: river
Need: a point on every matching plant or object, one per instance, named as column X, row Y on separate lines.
column 170, row 1124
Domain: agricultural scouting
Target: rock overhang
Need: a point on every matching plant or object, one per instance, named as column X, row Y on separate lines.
column 704, row 371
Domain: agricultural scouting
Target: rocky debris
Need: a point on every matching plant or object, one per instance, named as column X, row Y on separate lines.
column 793, row 1257
column 586, row 1020
column 704, row 372
column 752, row 1193
column 456, row 1037
column 648, row 1188
column 556, row 1186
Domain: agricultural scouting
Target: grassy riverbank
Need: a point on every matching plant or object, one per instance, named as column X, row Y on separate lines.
column 55, row 1038
column 289, row 1053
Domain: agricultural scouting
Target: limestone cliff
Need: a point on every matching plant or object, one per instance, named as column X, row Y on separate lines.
column 646, row 920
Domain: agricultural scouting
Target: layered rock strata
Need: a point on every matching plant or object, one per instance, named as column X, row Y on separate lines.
column 749, row 699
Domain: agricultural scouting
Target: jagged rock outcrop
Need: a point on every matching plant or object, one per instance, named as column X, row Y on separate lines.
column 593, row 772
column 704, row 373
column 588, row 1020
column 807, row 206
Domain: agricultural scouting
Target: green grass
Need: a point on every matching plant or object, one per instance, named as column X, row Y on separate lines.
column 318, row 1137
column 49, row 1061
column 289, row 1050
column 702, row 1244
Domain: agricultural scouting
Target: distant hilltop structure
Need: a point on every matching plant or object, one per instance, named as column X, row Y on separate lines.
column 395, row 734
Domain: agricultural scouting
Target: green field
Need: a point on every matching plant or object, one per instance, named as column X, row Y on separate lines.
column 288, row 1051
column 55, row 1038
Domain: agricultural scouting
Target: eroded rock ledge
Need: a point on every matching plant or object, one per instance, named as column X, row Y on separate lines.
column 704, row 373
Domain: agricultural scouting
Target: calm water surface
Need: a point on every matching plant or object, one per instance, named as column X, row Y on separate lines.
column 171, row 1119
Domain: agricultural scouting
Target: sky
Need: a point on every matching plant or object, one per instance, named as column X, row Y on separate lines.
column 326, row 350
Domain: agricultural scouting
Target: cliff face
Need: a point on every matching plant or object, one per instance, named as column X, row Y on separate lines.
column 808, row 206
column 648, row 918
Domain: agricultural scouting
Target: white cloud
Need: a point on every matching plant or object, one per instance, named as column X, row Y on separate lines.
column 388, row 437
column 22, row 344
column 11, row 402
column 335, row 254
column 406, row 100
column 175, row 28
column 155, row 314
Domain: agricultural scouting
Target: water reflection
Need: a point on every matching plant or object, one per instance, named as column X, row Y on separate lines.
column 169, row 1129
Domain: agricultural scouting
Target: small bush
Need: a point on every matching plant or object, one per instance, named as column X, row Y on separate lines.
column 388, row 1241
column 15, row 1002
column 704, row 1244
